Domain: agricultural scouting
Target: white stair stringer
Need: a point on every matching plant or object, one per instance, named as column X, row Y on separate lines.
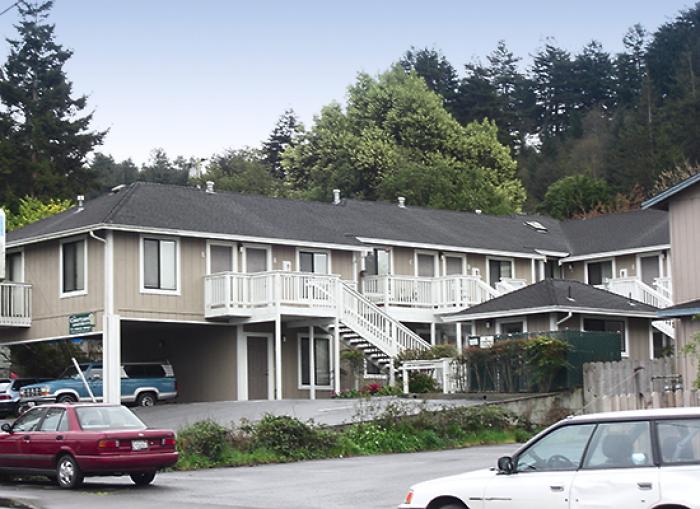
column 666, row 326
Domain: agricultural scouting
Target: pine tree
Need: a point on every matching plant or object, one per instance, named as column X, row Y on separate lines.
column 48, row 140
column 285, row 134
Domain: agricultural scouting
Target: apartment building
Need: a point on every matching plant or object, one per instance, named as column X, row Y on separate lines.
column 251, row 297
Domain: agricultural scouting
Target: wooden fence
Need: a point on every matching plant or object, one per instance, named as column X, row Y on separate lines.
column 635, row 385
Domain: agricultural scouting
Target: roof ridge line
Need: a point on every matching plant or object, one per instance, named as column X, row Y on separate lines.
column 120, row 203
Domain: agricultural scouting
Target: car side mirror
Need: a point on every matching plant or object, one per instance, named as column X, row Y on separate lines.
column 505, row 465
column 7, row 427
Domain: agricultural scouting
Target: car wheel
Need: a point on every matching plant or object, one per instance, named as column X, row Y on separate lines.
column 451, row 506
column 143, row 479
column 66, row 398
column 146, row 399
column 68, row 474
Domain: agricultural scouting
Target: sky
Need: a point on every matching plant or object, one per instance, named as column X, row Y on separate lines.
column 200, row 76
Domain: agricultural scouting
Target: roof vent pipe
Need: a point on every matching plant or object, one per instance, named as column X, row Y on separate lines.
column 81, row 200
column 210, row 186
column 477, row 211
column 336, row 196
column 402, row 202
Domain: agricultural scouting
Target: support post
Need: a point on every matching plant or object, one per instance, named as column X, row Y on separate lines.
column 312, row 363
column 404, row 372
column 336, row 356
column 241, row 364
column 278, row 357
column 432, row 333
column 111, row 331
column 458, row 332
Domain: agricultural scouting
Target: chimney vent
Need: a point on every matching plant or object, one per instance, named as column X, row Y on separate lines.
column 402, row 202
column 81, row 200
column 478, row 211
column 336, row 196
column 210, row 186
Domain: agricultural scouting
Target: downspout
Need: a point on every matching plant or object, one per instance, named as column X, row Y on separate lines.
column 92, row 234
column 569, row 315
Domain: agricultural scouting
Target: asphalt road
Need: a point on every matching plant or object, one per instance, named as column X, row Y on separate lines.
column 376, row 482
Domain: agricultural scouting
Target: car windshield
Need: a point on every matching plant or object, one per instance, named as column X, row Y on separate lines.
column 108, row 418
column 73, row 373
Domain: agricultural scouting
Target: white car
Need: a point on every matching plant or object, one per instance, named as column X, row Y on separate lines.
column 620, row 460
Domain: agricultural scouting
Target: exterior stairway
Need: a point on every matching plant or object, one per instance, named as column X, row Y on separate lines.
column 636, row 289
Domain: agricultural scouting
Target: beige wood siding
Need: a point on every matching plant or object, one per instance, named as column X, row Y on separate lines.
column 538, row 323
column 341, row 264
column 476, row 261
column 628, row 263
column 639, row 338
column 575, row 271
column 684, row 217
column 523, row 269
column 281, row 254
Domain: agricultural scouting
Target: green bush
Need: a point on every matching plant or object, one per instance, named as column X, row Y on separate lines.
column 204, row 440
column 420, row 383
column 291, row 438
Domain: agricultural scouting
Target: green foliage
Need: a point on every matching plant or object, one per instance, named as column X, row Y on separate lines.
column 46, row 359
column 32, row 209
column 356, row 359
column 545, row 358
column 204, row 439
column 285, row 134
column 290, row 438
column 422, row 383
column 576, row 194
column 243, row 171
column 692, row 349
column 432, row 353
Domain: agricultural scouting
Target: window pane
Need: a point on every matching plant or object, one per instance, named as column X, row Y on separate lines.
column 52, row 420
column 69, row 264
column 80, row 265
column 306, row 262
column 29, row 420
column 323, row 361
column 168, row 265
column 221, row 259
column 453, row 265
column 599, row 272
column 512, row 328
column 426, row 265
column 679, row 440
column 494, row 272
column 151, row 276
column 305, row 378
column 371, row 264
column 256, row 259
column 382, row 262
column 320, row 263
column 620, row 445
column 560, row 450
column 506, row 269
column 372, row 369
column 14, row 267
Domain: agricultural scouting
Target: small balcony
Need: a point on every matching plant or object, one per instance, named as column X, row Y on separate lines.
column 15, row 305
column 231, row 294
column 659, row 295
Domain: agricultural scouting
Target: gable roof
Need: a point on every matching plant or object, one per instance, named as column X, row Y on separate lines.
column 660, row 201
column 556, row 295
column 149, row 206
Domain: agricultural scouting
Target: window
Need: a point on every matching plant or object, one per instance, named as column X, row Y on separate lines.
column 499, row 269
column 679, row 441
column 160, row 264
column 552, row 270
column 13, row 268
column 512, row 327
column 108, row 418
column 73, row 266
column 313, row 261
column 602, row 325
column 28, row 421
column 220, row 258
column 537, row 226
column 144, row 371
column 561, row 449
column 373, row 370
column 52, row 420
column 425, row 265
column 620, row 445
column 256, row 259
column 322, row 360
column 453, row 265
column 377, row 263
column 599, row 272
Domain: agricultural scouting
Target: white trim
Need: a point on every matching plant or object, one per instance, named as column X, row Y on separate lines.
column 178, row 263
column 553, row 254
column 297, row 260
column 502, row 259
column 242, row 364
column 608, row 254
column 651, row 341
column 583, row 316
column 170, row 320
column 244, row 257
column 501, row 321
column 245, row 335
column 218, row 243
column 442, row 247
column 76, row 293
column 461, row 256
column 586, row 263
column 317, row 336
column 548, row 309
column 425, row 252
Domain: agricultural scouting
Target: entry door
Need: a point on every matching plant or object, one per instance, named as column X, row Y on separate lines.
column 258, row 368
column 650, row 269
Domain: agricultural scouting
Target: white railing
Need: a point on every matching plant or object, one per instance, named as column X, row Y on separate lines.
column 637, row 289
column 15, row 305
column 668, row 327
column 374, row 325
column 427, row 292
column 507, row 285
column 663, row 286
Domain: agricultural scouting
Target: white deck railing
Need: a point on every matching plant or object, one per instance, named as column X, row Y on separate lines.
column 507, row 285
column 637, row 289
column 427, row 292
column 663, row 286
column 15, row 305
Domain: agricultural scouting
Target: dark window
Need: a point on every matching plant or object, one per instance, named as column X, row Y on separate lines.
column 377, row 263
column 314, row 262
column 512, row 328
column 620, row 445
column 453, row 265
column 322, row 359
column 28, row 421
column 159, row 264
column 13, row 267
column 52, row 420
column 372, row 369
column 552, row 270
column 221, row 259
column 144, row 370
column 73, row 266
column 599, row 272
column 679, row 440
column 499, row 269
column 601, row 325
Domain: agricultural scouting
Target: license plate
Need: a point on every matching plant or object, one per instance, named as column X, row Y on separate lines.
column 139, row 445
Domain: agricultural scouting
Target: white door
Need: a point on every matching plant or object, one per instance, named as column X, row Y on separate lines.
column 618, row 470
column 544, row 472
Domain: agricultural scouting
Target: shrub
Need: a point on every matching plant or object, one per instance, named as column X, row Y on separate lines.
column 421, row 383
column 290, row 437
column 434, row 352
column 204, row 440
column 546, row 357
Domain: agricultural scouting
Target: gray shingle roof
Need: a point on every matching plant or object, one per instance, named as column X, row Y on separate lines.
column 145, row 205
column 559, row 293
column 661, row 199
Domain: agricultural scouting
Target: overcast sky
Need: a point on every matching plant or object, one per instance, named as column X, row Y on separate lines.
column 195, row 77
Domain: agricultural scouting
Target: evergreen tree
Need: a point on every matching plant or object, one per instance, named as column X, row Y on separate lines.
column 47, row 140
column 284, row 135
column 110, row 173
column 436, row 70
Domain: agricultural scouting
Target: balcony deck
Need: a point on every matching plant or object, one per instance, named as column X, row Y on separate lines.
column 15, row 305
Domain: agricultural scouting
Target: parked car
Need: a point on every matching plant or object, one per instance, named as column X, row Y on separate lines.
column 10, row 395
column 71, row 442
column 142, row 383
column 626, row 460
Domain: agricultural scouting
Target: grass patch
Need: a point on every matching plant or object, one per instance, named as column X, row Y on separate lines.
column 395, row 429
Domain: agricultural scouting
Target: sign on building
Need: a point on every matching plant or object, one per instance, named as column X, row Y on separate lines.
column 81, row 323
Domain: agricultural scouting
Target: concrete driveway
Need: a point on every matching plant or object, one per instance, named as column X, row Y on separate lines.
column 376, row 482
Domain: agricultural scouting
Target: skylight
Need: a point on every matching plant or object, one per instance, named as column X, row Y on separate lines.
column 537, row 226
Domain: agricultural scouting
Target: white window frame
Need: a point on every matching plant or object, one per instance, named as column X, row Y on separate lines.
column 219, row 243
column 20, row 252
column 599, row 260
column 461, row 256
column 372, row 376
column 76, row 293
column 244, row 255
column 425, row 252
column 626, row 353
column 500, row 259
column 297, row 258
column 500, row 321
column 331, row 354
column 178, row 263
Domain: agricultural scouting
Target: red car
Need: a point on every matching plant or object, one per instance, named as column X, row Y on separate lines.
column 70, row 442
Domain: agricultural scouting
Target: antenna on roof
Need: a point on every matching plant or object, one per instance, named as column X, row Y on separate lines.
column 81, row 199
